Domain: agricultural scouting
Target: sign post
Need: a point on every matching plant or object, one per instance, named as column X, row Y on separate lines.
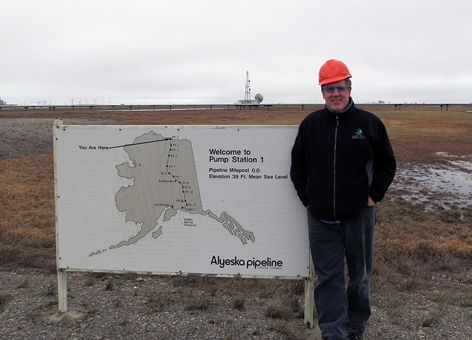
column 62, row 289
column 309, row 297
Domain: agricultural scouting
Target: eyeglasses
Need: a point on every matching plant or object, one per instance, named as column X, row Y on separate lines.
column 331, row 89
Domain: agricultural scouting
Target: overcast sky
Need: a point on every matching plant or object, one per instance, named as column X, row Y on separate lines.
column 198, row 51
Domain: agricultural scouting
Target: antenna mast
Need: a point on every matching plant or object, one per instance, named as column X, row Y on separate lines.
column 247, row 88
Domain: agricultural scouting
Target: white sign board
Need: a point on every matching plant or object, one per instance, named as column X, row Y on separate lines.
column 179, row 199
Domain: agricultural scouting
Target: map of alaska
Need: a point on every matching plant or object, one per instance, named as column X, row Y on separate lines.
column 164, row 182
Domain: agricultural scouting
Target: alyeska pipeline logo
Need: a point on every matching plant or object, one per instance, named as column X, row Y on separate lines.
column 358, row 134
column 253, row 263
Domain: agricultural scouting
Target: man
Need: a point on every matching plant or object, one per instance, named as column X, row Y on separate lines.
column 342, row 165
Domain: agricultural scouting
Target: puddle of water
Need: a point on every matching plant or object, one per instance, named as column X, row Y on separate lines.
column 463, row 164
column 436, row 185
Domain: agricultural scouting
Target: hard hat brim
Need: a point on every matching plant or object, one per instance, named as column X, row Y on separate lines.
column 333, row 80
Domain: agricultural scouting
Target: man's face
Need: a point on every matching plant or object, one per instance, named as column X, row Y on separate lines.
column 336, row 95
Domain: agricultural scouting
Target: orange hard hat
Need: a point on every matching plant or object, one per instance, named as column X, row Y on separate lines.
column 332, row 71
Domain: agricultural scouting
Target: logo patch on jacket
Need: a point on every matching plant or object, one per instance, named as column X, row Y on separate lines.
column 358, row 134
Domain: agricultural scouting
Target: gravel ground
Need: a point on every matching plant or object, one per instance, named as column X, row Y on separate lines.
column 108, row 306
column 21, row 137
column 129, row 306
column 26, row 136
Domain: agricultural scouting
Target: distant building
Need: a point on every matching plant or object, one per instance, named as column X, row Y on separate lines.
column 2, row 102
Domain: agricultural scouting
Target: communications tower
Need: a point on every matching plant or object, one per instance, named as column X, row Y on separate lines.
column 247, row 88
column 247, row 94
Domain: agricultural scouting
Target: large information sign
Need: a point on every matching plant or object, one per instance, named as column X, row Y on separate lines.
column 179, row 199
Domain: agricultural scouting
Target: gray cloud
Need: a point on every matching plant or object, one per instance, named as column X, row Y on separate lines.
column 198, row 51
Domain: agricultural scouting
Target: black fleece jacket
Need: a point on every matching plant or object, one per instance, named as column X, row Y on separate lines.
column 339, row 160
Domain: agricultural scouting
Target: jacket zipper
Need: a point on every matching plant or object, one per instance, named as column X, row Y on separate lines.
column 334, row 166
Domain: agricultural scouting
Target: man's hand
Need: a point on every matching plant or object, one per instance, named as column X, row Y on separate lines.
column 370, row 202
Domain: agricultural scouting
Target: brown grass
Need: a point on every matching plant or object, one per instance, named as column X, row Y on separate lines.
column 4, row 299
column 159, row 302
column 408, row 230
column 200, row 303
column 413, row 245
column 238, row 303
column 278, row 311
column 409, row 241
column 27, row 201
column 417, row 131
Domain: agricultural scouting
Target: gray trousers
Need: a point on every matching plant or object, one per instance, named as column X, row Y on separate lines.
column 342, row 310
